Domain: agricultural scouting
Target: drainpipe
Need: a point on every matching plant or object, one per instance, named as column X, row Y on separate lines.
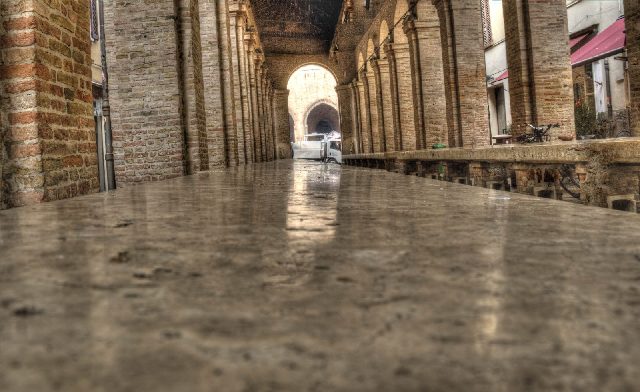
column 607, row 70
column 106, row 108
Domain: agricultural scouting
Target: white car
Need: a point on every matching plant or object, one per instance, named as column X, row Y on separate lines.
column 319, row 147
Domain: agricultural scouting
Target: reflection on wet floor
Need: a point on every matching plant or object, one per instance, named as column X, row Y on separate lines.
column 313, row 203
column 302, row 276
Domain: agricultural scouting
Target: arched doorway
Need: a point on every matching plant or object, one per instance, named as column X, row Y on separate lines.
column 312, row 87
column 322, row 117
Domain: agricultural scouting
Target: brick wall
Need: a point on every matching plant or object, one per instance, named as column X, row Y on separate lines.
column 540, row 77
column 46, row 116
column 632, row 16
column 145, row 90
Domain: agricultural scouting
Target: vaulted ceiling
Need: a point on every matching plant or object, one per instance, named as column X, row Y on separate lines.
column 296, row 26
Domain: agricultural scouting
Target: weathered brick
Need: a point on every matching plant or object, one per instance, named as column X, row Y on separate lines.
column 39, row 123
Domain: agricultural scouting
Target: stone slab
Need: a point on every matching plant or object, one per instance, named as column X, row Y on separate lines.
column 298, row 276
column 623, row 151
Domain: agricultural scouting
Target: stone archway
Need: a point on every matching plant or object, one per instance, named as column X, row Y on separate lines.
column 308, row 85
column 322, row 111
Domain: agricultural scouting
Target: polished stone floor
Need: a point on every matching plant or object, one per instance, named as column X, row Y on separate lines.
column 309, row 277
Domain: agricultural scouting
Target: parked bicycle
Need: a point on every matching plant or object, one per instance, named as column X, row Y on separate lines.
column 539, row 134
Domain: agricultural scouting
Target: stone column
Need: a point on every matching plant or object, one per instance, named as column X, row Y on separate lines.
column 426, row 50
column 145, row 91
column 195, row 129
column 262, row 108
column 230, row 127
column 394, row 97
column 632, row 25
column 274, row 133
column 281, row 116
column 237, row 21
column 216, row 83
column 346, row 120
column 267, row 119
column 252, row 67
column 465, row 72
column 365, row 118
column 357, row 122
column 540, row 75
column 406, row 106
column 247, row 97
column 379, row 105
column 50, row 154
column 268, row 147
column 384, row 96
column 265, row 114
column 377, row 139
column 261, row 112
column 409, row 29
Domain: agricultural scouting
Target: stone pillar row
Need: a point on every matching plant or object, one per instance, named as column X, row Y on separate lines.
column 188, row 91
column 185, row 107
column 428, row 85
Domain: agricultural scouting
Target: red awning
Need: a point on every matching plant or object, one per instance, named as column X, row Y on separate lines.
column 575, row 41
column 502, row 76
column 609, row 42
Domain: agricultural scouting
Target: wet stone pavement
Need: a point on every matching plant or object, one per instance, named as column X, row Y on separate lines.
column 309, row 277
